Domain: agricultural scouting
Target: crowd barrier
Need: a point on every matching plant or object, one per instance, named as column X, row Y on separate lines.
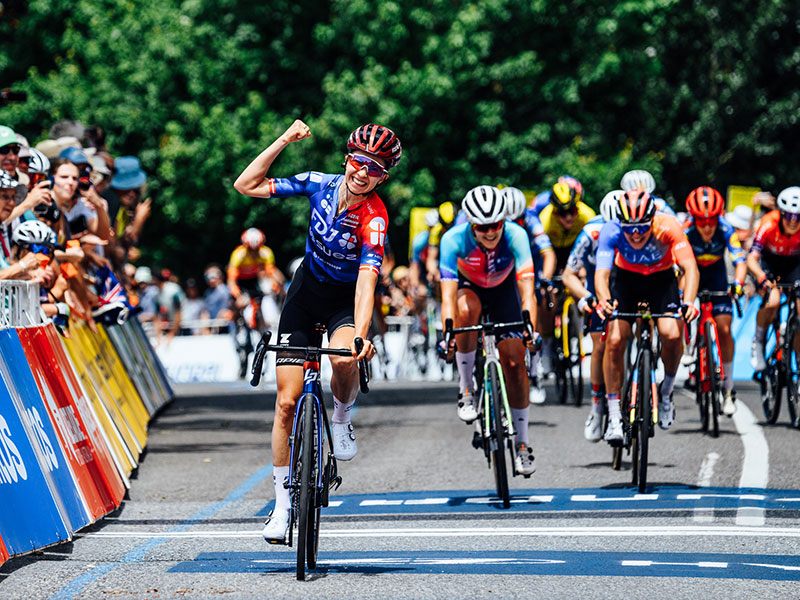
column 74, row 411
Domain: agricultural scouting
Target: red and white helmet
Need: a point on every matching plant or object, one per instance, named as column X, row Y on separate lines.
column 705, row 202
column 253, row 238
column 377, row 140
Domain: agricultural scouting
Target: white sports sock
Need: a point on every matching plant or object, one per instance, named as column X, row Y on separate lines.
column 533, row 370
column 727, row 384
column 282, row 499
column 341, row 411
column 520, row 417
column 613, row 406
column 466, row 364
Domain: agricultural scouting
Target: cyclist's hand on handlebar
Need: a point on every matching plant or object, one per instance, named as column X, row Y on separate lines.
column 767, row 282
column 587, row 304
column 445, row 353
column 605, row 309
column 690, row 312
column 367, row 352
column 737, row 290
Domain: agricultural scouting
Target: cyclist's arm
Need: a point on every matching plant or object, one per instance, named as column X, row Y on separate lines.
column 364, row 304
column 527, row 295
column 252, row 181
column 573, row 283
column 602, row 287
column 233, row 275
column 754, row 265
column 449, row 299
column 548, row 264
column 432, row 264
column 691, row 278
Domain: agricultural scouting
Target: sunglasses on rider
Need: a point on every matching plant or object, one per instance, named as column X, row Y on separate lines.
column 40, row 249
column 358, row 162
column 567, row 213
column 790, row 217
column 10, row 148
column 706, row 221
column 487, row 227
column 635, row 228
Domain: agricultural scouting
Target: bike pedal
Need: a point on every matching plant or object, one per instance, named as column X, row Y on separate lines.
column 278, row 542
column 477, row 441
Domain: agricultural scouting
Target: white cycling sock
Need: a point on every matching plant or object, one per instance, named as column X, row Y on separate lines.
column 466, row 364
column 612, row 401
column 667, row 386
column 341, row 411
column 761, row 334
column 282, row 499
column 533, row 370
column 520, row 417
column 727, row 384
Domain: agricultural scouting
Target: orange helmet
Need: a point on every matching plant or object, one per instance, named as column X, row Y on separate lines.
column 705, row 202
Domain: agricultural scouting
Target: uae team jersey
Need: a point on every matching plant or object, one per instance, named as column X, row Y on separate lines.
column 709, row 253
column 460, row 254
column 337, row 247
column 666, row 245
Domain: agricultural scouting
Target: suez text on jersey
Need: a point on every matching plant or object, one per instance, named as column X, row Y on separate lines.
column 348, row 239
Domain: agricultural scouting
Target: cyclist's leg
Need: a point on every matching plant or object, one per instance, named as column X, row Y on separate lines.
column 617, row 336
column 468, row 313
column 593, row 428
column 344, row 385
column 512, row 359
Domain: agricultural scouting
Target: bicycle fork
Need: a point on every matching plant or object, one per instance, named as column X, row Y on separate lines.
column 635, row 394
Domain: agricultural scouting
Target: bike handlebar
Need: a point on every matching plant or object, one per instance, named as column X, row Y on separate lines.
column 449, row 330
column 706, row 295
column 264, row 346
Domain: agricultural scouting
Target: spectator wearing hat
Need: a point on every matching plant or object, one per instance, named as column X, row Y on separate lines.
column 741, row 218
column 9, row 151
column 128, row 214
column 101, row 174
column 84, row 210
column 8, row 200
column 24, row 158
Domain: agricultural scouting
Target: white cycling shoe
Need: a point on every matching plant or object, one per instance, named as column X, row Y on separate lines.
column 466, row 409
column 344, row 441
column 536, row 395
column 524, row 460
column 276, row 528
column 614, row 434
column 729, row 404
column 757, row 360
column 593, row 428
column 666, row 413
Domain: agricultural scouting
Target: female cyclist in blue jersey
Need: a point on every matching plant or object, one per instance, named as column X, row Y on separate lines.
column 335, row 285
column 487, row 262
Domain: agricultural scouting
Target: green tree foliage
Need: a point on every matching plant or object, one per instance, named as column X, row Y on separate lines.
column 504, row 91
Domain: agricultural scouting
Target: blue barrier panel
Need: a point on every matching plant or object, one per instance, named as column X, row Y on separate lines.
column 30, row 407
column 29, row 515
column 743, row 331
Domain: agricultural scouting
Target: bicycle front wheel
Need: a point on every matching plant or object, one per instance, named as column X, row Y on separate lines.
column 498, row 437
column 644, row 420
column 575, row 363
column 308, row 523
column 771, row 389
column 713, row 383
column 792, row 383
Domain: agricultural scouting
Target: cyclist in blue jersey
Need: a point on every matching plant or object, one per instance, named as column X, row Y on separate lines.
column 335, row 285
column 544, row 265
column 710, row 234
column 583, row 257
column 417, row 264
column 487, row 263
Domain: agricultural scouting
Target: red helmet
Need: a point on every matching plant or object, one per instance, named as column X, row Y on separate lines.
column 253, row 238
column 636, row 206
column 377, row 140
column 705, row 202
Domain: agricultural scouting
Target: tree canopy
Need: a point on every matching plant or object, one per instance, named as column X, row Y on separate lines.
column 495, row 91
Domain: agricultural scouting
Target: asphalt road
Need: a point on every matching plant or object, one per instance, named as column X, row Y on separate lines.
column 415, row 516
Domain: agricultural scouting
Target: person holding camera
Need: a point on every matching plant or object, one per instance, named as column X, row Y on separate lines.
column 84, row 210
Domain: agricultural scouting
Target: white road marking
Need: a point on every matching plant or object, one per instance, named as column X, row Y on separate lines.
column 650, row 563
column 706, row 515
column 655, row 531
column 755, row 467
column 424, row 501
column 381, row 502
column 594, row 498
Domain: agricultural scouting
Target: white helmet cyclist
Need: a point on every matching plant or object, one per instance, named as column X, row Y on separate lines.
column 609, row 205
column 33, row 232
column 789, row 200
column 483, row 205
column 253, row 238
column 431, row 217
column 515, row 202
column 638, row 179
column 38, row 163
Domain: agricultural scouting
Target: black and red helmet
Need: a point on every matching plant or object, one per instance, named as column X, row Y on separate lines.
column 705, row 202
column 377, row 140
column 636, row 206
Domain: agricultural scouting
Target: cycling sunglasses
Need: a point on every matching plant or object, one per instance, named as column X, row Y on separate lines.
column 12, row 148
column 358, row 162
column 40, row 249
column 487, row 227
column 567, row 213
column 636, row 228
column 706, row 221
column 790, row 217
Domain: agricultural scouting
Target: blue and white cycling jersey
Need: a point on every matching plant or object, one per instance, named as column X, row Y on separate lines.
column 584, row 252
column 337, row 247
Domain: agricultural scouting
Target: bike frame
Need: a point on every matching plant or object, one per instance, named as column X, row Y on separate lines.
column 704, row 361
column 492, row 356
column 645, row 339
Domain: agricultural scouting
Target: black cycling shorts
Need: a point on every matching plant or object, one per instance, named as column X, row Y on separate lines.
column 309, row 302
column 660, row 289
column 785, row 268
column 501, row 303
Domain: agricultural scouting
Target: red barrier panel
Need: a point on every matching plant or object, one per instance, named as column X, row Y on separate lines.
column 47, row 336
column 3, row 552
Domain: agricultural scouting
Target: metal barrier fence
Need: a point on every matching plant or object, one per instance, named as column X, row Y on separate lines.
column 19, row 304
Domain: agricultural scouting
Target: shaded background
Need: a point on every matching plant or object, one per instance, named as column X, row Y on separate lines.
column 499, row 91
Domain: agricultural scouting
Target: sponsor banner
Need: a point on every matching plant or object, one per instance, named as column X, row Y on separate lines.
column 200, row 358
column 150, row 356
column 136, row 368
column 115, row 482
column 111, row 418
column 127, row 406
column 25, row 396
column 68, row 422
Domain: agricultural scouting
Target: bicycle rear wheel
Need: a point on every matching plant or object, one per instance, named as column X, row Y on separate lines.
column 308, row 522
column 574, row 362
column 771, row 389
column 644, row 420
column 499, row 437
column 792, row 382
column 714, row 382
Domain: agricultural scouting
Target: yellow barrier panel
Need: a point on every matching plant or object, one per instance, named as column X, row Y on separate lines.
column 416, row 223
column 127, row 407
column 739, row 195
column 112, row 421
column 109, row 353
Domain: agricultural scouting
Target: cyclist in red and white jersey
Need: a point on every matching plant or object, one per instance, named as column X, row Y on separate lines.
column 774, row 256
column 334, row 286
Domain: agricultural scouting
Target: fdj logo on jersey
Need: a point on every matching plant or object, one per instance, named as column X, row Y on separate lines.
column 323, row 234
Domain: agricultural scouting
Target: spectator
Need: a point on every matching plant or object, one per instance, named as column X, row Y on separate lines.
column 741, row 218
column 217, row 298
column 148, row 293
column 24, row 158
column 193, row 305
column 18, row 270
column 128, row 215
column 101, row 174
column 169, row 305
column 84, row 210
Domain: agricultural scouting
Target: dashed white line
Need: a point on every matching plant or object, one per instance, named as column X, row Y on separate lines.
column 755, row 467
column 706, row 515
